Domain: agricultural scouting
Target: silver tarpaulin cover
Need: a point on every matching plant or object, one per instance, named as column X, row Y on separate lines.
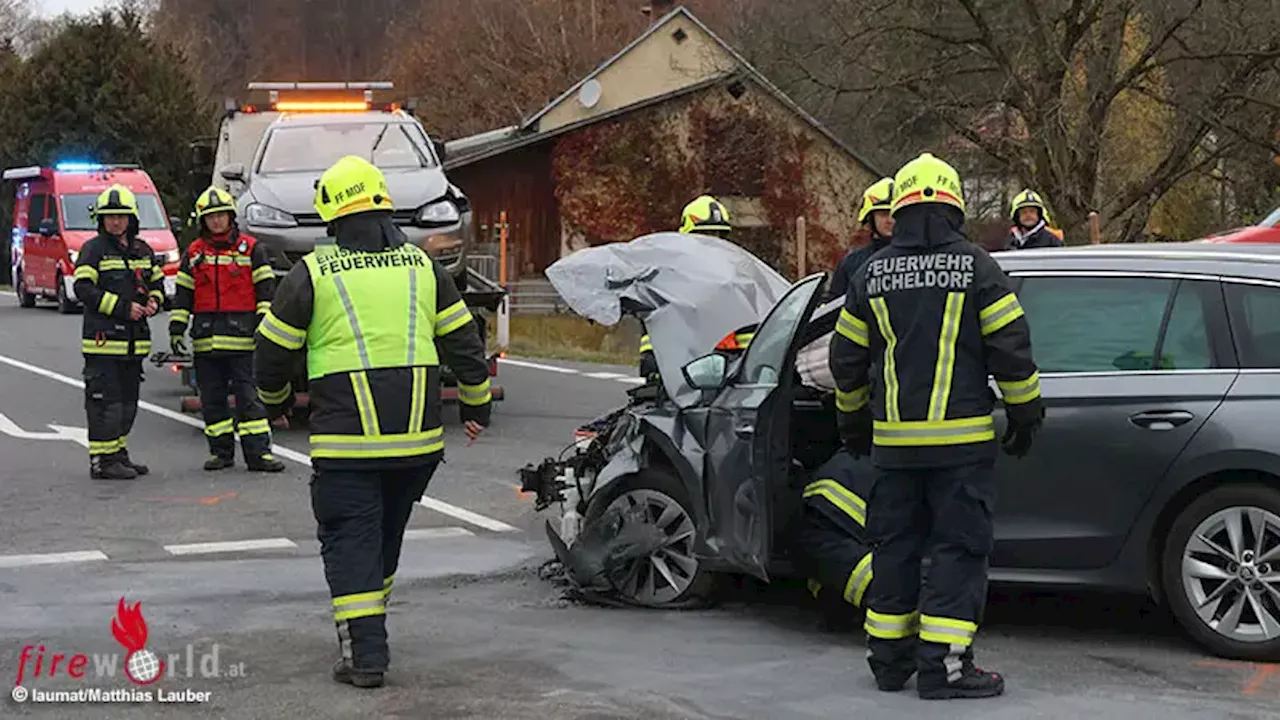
column 688, row 290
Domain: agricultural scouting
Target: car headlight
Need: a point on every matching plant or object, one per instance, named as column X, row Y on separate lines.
column 73, row 254
column 438, row 212
column 267, row 216
column 171, row 256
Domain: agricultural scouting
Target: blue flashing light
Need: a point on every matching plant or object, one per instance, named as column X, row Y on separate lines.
column 73, row 167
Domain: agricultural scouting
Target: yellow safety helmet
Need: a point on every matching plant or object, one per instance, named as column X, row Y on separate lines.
column 704, row 213
column 876, row 197
column 1028, row 198
column 351, row 185
column 116, row 200
column 214, row 200
column 927, row 180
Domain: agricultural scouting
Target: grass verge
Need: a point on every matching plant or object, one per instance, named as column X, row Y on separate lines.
column 573, row 338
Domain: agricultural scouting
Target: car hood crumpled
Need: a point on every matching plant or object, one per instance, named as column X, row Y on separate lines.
column 688, row 290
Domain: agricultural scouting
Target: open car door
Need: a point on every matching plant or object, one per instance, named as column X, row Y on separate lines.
column 748, row 435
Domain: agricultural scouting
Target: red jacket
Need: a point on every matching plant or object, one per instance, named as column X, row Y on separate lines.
column 224, row 286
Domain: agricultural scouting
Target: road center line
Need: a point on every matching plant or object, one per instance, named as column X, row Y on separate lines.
column 437, row 532
column 539, row 366
column 439, row 506
column 10, row 561
column 230, row 546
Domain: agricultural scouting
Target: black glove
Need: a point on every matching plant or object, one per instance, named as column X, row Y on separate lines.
column 277, row 411
column 1024, row 419
column 477, row 413
column 855, row 431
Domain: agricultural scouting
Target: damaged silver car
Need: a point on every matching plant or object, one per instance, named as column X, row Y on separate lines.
column 680, row 484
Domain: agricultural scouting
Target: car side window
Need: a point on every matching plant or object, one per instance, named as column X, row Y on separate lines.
column 1094, row 324
column 763, row 364
column 36, row 214
column 1255, row 323
column 1186, row 344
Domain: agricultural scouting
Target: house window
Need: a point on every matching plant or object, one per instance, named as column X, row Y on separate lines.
column 680, row 35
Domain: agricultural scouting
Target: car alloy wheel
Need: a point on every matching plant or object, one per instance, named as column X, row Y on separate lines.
column 666, row 574
column 1231, row 573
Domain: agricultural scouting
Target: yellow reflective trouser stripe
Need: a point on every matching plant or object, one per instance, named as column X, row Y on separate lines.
column 180, row 316
column 86, row 272
column 1017, row 392
column 185, row 280
column 881, row 311
column 474, row 394
column 418, row 401
column 947, row 631
column 835, row 493
column 891, row 627
column 114, row 347
column 925, row 433
column 859, row 581
column 282, row 333
column 645, row 344
column 944, row 366
column 350, row 607
column 263, row 307
column 852, row 328
column 218, row 429
column 275, row 397
column 386, row 583
column 253, row 427
column 223, row 342
column 452, row 318
column 395, row 445
column 999, row 313
column 105, row 447
column 853, row 400
column 364, row 403
column 262, row 273
column 107, row 304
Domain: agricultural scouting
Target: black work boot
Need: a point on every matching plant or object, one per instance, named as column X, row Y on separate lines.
column 344, row 673
column 137, row 467
column 219, row 462
column 973, row 683
column 108, row 467
column 265, row 463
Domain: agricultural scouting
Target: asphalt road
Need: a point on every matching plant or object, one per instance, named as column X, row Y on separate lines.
column 229, row 560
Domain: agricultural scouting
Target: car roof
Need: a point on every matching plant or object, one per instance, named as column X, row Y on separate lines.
column 1248, row 261
column 341, row 118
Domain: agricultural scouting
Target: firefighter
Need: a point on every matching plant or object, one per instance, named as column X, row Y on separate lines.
column 703, row 216
column 831, row 539
column 1031, row 220
column 119, row 283
column 370, row 312
column 224, row 287
column 923, row 326
column 875, row 216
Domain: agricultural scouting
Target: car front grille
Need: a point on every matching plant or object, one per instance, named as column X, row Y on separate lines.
column 399, row 217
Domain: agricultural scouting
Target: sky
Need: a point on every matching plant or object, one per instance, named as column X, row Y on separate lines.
column 50, row 8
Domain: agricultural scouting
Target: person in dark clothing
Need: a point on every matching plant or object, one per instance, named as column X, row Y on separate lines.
column 926, row 322
column 120, row 284
column 1030, row 220
column 226, row 280
column 831, row 535
column 372, row 314
column 875, row 215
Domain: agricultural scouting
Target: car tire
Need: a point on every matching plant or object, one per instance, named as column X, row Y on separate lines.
column 644, row 583
column 25, row 299
column 1195, row 572
column 65, row 305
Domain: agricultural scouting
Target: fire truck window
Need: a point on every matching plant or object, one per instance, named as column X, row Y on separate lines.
column 36, row 213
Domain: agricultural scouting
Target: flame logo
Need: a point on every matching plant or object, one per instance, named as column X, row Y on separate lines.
column 130, row 629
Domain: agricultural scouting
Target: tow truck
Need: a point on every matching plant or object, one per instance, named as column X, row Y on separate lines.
column 268, row 154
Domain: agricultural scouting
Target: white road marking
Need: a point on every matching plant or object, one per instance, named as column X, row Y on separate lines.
column 539, row 366
column 434, row 533
column 487, row 523
column 440, row 506
column 631, row 380
column 230, row 546
column 604, row 375
column 10, row 561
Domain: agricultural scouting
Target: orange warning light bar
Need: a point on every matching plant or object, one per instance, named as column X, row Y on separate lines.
column 322, row 106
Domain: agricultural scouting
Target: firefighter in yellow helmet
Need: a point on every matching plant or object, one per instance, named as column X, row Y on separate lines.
column 1031, row 223
column 924, row 325
column 224, row 287
column 371, row 313
column 875, row 216
column 120, row 285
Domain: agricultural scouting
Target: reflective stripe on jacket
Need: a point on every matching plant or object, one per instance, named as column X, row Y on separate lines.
column 108, row 278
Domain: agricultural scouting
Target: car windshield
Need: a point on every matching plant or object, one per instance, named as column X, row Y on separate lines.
column 1273, row 220
column 77, row 215
column 313, row 148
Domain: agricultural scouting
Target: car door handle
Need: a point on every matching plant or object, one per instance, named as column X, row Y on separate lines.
column 744, row 431
column 1161, row 419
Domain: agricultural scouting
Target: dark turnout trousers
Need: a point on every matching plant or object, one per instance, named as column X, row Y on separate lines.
column 221, row 374
column 111, row 385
